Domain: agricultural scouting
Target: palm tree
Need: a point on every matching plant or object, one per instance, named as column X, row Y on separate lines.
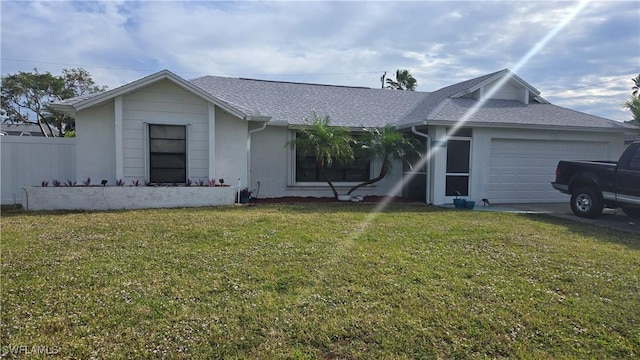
column 636, row 86
column 327, row 143
column 385, row 144
column 404, row 81
column 633, row 104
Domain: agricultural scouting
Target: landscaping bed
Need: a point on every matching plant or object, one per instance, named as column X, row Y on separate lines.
column 125, row 197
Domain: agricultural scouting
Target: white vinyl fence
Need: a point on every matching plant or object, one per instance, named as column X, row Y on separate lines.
column 28, row 160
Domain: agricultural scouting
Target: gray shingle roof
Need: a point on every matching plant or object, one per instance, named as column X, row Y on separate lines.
column 508, row 112
column 74, row 100
column 291, row 103
column 426, row 107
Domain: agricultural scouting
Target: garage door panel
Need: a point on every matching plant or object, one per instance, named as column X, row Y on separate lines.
column 522, row 170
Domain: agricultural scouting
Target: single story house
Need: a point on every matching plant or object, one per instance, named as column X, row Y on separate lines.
column 492, row 137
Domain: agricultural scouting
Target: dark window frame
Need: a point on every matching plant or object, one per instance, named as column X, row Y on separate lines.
column 167, row 153
column 458, row 179
column 308, row 172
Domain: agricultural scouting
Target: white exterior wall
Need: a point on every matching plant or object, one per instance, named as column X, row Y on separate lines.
column 124, row 197
column 29, row 160
column 481, row 150
column 505, row 92
column 161, row 103
column 95, row 144
column 167, row 104
column 230, row 148
column 438, row 163
column 272, row 164
column 269, row 161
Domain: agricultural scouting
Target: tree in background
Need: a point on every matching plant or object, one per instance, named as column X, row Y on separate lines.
column 27, row 94
column 404, row 81
column 636, row 86
column 327, row 144
column 386, row 145
column 633, row 104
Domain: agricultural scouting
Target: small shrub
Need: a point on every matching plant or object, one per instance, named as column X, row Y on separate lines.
column 188, row 182
column 44, row 183
column 200, row 182
column 120, row 182
column 56, row 183
column 86, row 182
column 135, row 182
column 71, row 183
column 212, row 182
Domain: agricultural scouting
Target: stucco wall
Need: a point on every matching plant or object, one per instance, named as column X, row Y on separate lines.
column 117, row 197
column 269, row 161
column 230, row 148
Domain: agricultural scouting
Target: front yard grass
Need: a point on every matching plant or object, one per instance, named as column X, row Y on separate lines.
column 308, row 281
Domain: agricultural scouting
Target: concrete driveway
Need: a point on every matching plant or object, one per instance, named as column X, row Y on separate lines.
column 612, row 219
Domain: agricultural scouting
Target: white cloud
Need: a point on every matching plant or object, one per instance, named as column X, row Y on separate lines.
column 347, row 43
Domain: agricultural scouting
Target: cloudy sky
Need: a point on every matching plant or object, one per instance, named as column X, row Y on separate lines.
column 580, row 55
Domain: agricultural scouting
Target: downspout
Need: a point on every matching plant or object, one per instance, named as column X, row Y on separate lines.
column 428, row 168
column 264, row 125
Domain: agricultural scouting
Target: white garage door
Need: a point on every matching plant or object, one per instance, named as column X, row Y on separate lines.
column 521, row 171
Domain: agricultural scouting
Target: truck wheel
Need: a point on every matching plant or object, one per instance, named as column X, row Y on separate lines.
column 632, row 212
column 586, row 203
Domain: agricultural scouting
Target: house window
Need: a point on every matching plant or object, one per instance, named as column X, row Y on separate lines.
column 356, row 171
column 458, row 167
column 167, row 154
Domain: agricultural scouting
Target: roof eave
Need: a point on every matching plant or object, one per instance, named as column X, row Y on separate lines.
column 65, row 109
column 412, row 124
column 526, row 126
column 150, row 80
column 259, row 118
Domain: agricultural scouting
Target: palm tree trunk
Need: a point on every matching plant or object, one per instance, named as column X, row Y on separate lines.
column 326, row 178
column 383, row 173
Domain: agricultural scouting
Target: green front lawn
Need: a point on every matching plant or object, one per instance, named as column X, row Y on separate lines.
column 316, row 281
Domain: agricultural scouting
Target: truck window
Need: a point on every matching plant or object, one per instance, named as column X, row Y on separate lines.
column 634, row 164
